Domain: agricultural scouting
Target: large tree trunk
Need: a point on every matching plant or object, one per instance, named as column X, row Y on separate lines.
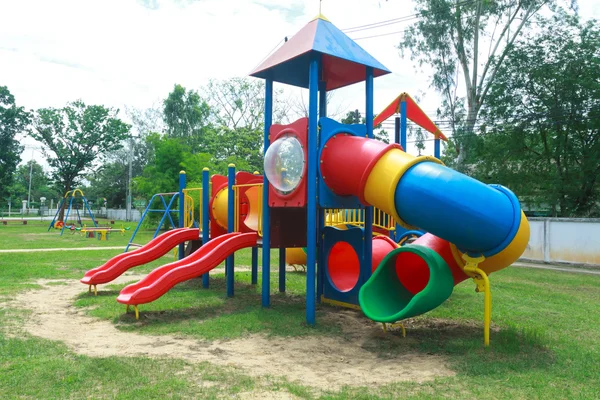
column 61, row 215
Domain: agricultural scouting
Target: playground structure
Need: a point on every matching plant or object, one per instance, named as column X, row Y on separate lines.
column 75, row 203
column 333, row 190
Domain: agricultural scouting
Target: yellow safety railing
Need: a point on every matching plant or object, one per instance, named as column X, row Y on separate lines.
column 190, row 206
column 356, row 217
column 236, row 193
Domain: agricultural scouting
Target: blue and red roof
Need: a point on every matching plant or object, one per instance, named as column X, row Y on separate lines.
column 343, row 61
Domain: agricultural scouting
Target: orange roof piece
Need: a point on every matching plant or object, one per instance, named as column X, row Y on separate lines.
column 413, row 112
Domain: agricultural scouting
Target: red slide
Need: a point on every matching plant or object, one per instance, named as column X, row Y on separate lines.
column 162, row 279
column 157, row 247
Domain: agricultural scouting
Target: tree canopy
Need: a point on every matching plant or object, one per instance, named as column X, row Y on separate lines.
column 76, row 138
column 13, row 120
column 541, row 129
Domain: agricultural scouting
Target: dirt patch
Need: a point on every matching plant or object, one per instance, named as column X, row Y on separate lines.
column 319, row 362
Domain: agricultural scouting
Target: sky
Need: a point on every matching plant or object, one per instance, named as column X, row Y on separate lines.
column 130, row 53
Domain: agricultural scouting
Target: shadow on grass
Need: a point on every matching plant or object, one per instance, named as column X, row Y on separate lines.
column 510, row 349
column 209, row 313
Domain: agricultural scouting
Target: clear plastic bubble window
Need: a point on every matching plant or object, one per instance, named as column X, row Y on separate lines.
column 284, row 164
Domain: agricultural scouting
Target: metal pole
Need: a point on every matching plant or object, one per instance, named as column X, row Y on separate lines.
column 368, row 244
column 436, row 148
column 266, row 222
column 254, row 273
column 30, row 179
column 230, row 226
column 182, row 184
column 321, row 211
column 128, row 211
column 205, row 218
column 311, row 229
column 403, row 124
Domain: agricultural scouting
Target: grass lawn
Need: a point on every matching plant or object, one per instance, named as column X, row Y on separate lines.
column 545, row 338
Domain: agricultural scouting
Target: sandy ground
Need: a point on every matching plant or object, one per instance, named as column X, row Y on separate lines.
column 318, row 362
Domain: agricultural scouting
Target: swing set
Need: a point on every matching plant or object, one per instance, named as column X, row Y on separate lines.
column 74, row 204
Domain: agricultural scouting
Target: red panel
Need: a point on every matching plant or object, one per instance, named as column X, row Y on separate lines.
column 297, row 198
column 300, row 43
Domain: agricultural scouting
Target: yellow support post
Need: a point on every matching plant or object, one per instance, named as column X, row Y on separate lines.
column 482, row 282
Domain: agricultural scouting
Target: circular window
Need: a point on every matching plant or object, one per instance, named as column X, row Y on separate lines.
column 284, row 164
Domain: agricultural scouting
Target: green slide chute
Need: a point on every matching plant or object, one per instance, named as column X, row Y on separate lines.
column 385, row 299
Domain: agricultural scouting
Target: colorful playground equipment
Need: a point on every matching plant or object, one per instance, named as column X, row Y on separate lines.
column 75, row 203
column 340, row 196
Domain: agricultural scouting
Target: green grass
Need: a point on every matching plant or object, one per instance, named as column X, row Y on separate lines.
column 545, row 340
column 35, row 235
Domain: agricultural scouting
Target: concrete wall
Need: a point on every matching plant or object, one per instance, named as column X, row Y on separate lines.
column 121, row 214
column 569, row 240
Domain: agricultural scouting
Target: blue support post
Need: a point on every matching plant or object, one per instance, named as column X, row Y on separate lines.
column 282, row 269
column 396, row 140
column 321, row 211
column 230, row 226
column 368, row 259
column 403, row 124
column 205, row 218
column 436, row 147
column 254, row 272
column 266, row 222
column 66, row 219
column 182, row 183
column 62, row 201
column 311, row 229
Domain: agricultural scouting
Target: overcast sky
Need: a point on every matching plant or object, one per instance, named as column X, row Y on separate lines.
column 121, row 52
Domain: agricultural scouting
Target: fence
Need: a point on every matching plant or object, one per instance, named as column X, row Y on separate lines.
column 568, row 240
column 46, row 213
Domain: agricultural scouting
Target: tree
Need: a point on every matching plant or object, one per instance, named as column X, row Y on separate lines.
column 13, row 120
column 186, row 117
column 543, row 118
column 76, row 138
column 40, row 183
column 466, row 43
column 354, row 117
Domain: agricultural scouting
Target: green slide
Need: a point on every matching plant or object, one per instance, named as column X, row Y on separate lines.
column 385, row 299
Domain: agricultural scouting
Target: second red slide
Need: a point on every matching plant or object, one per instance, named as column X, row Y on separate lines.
column 162, row 279
column 157, row 247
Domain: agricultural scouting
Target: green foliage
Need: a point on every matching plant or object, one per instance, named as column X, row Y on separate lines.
column 77, row 137
column 186, row 117
column 543, row 137
column 13, row 120
column 40, row 184
column 354, row 117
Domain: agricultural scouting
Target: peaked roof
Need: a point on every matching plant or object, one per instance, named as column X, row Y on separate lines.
column 343, row 61
column 413, row 112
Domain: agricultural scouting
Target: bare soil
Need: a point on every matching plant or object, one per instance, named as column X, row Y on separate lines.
column 319, row 362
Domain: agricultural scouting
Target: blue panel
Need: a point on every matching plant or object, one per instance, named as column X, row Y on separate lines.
column 438, row 199
column 354, row 237
column 328, row 199
column 330, row 40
